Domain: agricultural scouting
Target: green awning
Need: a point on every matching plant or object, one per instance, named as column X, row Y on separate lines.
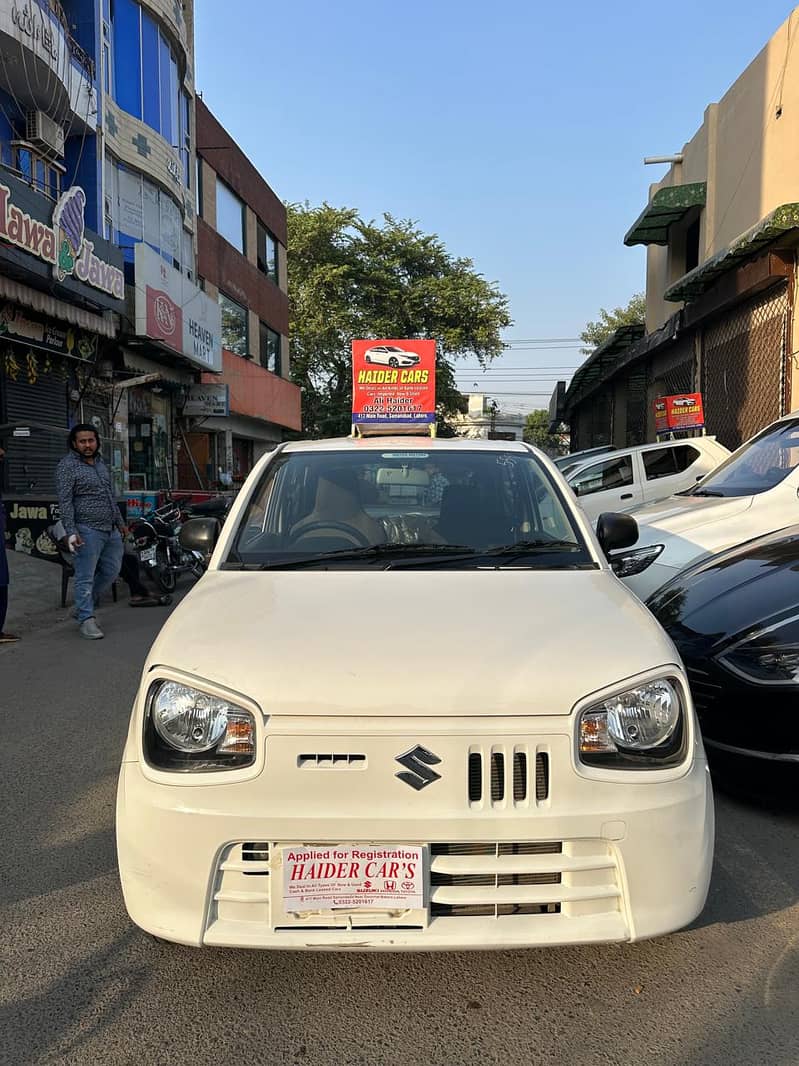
column 599, row 362
column 699, row 280
column 667, row 206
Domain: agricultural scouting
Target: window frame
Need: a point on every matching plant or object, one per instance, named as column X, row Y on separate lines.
column 246, row 354
column 265, row 334
column 220, row 184
column 614, row 457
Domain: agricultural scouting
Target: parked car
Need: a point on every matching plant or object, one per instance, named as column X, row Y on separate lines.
column 735, row 620
column 390, row 355
column 753, row 492
column 564, row 463
column 363, row 728
column 630, row 477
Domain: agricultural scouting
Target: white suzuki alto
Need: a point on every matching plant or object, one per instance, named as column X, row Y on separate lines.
column 411, row 707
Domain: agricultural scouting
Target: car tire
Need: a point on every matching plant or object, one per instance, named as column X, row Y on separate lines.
column 393, row 362
column 368, row 358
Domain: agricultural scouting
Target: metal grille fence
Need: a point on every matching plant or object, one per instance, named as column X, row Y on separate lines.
column 636, row 388
column 744, row 368
column 595, row 421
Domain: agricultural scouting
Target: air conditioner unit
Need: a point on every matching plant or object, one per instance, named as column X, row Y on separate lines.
column 45, row 133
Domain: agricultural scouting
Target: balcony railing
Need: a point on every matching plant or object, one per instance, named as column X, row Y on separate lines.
column 53, row 8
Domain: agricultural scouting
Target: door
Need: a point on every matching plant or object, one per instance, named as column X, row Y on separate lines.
column 611, row 484
column 672, row 468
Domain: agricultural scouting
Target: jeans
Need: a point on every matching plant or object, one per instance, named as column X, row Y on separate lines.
column 97, row 562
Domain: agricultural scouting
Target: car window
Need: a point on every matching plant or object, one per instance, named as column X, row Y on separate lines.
column 663, row 462
column 757, row 466
column 609, row 474
column 326, row 501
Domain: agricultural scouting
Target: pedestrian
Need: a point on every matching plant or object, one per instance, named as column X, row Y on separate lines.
column 92, row 522
column 5, row 638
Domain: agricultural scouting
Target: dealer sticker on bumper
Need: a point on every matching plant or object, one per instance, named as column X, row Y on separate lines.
column 353, row 877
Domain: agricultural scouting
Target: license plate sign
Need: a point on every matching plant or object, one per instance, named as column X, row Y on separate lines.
column 353, row 877
column 147, row 555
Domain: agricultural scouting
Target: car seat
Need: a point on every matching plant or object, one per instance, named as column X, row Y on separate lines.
column 338, row 503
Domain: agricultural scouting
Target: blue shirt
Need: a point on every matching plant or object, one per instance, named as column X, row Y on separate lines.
column 85, row 494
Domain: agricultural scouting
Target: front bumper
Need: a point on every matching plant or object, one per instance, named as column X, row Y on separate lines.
column 588, row 858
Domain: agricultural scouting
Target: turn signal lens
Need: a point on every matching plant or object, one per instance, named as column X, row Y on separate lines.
column 239, row 738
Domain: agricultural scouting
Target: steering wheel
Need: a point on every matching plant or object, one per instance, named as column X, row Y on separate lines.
column 359, row 539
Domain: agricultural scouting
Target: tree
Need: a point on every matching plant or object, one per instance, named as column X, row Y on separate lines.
column 536, row 432
column 609, row 321
column 349, row 278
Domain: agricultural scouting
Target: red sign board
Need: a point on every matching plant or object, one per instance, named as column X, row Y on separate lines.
column 164, row 319
column 683, row 411
column 393, row 381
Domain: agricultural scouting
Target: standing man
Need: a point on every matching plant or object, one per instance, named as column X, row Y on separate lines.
column 92, row 521
column 5, row 638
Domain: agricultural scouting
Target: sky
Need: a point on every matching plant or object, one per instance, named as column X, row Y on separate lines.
column 515, row 130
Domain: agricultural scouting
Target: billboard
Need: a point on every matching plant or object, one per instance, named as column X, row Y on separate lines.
column 171, row 309
column 393, row 382
column 206, row 401
column 683, row 411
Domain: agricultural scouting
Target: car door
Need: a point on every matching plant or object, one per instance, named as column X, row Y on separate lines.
column 611, row 484
column 673, row 467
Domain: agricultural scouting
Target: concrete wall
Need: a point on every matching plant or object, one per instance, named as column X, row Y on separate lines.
column 747, row 150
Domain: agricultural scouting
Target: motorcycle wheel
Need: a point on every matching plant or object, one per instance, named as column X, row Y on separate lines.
column 164, row 575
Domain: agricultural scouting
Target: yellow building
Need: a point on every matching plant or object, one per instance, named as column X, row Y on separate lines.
column 721, row 231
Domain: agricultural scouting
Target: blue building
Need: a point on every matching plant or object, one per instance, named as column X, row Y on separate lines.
column 97, row 161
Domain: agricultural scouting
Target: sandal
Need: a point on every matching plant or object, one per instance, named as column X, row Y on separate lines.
column 8, row 638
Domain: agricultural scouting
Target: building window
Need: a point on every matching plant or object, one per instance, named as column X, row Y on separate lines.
column 230, row 216
column 270, row 349
column 138, row 210
column 38, row 172
column 144, row 71
column 267, row 253
column 234, row 326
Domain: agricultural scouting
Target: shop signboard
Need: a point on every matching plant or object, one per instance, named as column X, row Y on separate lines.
column 27, row 521
column 29, row 328
column 681, row 411
column 393, row 382
column 61, row 241
column 208, row 401
column 172, row 310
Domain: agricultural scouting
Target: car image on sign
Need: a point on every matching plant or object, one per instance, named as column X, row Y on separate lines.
column 388, row 355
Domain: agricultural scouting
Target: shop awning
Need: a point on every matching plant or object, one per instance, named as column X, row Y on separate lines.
column 596, row 366
column 105, row 324
column 666, row 207
column 767, row 230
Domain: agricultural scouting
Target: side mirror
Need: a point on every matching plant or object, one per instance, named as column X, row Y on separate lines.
column 200, row 535
column 615, row 531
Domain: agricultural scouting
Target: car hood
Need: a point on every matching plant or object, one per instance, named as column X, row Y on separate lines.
column 412, row 643
column 681, row 514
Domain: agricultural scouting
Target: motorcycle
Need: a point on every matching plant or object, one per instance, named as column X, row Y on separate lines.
column 156, row 539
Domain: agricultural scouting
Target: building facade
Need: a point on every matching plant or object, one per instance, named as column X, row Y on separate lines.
column 242, row 265
column 721, row 231
column 485, row 421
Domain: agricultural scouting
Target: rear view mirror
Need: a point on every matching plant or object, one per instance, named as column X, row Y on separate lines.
column 615, row 531
column 200, row 535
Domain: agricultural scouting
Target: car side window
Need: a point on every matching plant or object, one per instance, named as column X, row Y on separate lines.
column 663, row 462
column 610, row 474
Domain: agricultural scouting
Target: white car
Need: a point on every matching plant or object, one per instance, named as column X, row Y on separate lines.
column 363, row 727
column 390, row 355
column 754, row 491
column 629, row 477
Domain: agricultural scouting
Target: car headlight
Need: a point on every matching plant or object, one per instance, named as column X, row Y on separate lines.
column 639, row 728
column 625, row 564
column 769, row 656
column 190, row 730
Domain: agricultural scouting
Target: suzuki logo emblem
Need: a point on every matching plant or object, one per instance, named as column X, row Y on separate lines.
column 417, row 763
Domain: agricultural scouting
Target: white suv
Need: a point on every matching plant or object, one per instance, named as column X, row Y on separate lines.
column 420, row 721
column 629, row 477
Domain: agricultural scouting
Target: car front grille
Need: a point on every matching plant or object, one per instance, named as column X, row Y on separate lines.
column 465, row 880
column 505, row 775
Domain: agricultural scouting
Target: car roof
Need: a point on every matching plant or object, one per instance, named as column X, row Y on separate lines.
column 405, row 444
column 619, row 453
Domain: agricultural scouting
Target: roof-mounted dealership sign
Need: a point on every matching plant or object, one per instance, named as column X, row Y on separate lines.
column 62, row 243
column 393, row 382
column 682, row 411
column 173, row 311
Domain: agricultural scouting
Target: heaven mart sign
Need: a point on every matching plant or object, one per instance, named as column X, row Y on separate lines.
column 62, row 243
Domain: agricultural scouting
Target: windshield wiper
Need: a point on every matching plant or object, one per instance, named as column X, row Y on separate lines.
column 520, row 547
column 371, row 551
column 706, row 492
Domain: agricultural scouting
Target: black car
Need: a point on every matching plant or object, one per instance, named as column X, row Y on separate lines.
column 735, row 620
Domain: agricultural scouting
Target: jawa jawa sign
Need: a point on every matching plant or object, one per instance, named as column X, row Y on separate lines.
column 393, row 382
column 683, row 411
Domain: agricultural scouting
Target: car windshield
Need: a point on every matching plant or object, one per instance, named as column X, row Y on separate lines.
column 442, row 507
column 759, row 466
